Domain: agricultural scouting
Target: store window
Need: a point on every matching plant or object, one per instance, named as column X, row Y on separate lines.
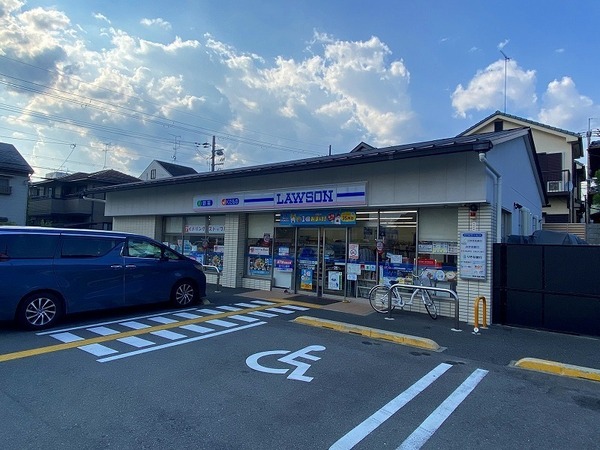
column 259, row 246
column 199, row 237
column 396, row 246
column 438, row 246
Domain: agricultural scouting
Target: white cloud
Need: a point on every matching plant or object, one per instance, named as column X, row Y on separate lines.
column 101, row 17
column 140, row 95
column 564, row 107
column 161, row 23
column 503, row 44
column 486, row 89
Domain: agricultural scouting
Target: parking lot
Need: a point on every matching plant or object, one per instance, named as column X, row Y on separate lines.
column 241, row 373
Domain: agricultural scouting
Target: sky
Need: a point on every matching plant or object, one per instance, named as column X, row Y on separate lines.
column 91, row 85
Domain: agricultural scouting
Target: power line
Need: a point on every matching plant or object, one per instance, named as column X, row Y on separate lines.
column 93, row 103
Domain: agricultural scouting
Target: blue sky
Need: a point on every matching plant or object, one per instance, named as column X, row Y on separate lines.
column 88, row 85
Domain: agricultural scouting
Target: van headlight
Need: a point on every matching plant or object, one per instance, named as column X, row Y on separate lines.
column 200, row 267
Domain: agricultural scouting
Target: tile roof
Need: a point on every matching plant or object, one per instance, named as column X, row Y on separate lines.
column 11, row 160
column 521, row 119
column 176, row 170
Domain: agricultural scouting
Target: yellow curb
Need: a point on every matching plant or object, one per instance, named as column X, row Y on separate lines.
column 556, row 368
column 398, row 338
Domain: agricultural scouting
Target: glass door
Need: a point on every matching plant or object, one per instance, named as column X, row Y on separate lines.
column 333, row 261
column 308, row 271
column 321, row 260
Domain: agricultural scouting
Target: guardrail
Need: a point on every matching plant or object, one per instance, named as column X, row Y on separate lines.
column 427, row 288
column 217, row 271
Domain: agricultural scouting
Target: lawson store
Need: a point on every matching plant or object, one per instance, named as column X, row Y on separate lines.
column 337, row 225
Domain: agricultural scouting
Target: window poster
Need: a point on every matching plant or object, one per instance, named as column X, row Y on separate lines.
column 306, row 279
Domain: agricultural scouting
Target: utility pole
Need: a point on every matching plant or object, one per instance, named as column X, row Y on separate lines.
column 214, row 151
column 212, row 154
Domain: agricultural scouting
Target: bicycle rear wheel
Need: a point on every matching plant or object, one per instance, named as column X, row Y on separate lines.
column 378, row 298
column 429, row 304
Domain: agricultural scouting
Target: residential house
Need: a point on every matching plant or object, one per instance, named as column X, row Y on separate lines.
column 14, row 179
column 59, row 201
column 557, row 152
column 160, row 169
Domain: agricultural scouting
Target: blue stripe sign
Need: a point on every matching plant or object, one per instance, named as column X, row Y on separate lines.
column 299, row 198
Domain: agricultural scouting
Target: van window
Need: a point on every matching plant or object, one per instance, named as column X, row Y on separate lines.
column 87, row 246
column 140, row 248
column 28, row 246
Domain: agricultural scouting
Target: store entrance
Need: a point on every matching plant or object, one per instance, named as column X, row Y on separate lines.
column 321, row 261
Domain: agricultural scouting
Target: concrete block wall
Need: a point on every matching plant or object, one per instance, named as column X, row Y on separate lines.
column 149, row 226
column 592, row 233
column 469, row 290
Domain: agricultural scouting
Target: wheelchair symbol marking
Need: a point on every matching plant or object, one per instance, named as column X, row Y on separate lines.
column 289, row 358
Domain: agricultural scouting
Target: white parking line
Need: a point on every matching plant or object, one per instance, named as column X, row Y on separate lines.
column 185, row 315
column 135, row 341
column 161, row 319
column 111, row 322
column 97, row 349
column 135, row 325
column 281, row 310
column 167, row 334
column 222, row 323
column 197, row 328
column 362, row 430
column 261, row 314
column 442, row 412
column 174, row 343
column 67, row 337
column 243, row 318
column 229, row 308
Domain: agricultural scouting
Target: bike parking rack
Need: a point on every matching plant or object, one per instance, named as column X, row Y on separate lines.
column 428, row 288
column 217, row 271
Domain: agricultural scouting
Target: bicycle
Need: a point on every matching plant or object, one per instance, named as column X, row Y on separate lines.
column 378, row 298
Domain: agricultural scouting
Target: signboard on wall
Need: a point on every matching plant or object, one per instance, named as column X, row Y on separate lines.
column 317, row 218
column 292, row 198
column 473, row 255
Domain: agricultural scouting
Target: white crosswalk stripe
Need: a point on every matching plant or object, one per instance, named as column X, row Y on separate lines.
column 158, row 339
column 262, row 314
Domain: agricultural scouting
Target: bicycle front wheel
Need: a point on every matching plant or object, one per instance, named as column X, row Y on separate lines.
column 378, row 298
column 429, row 304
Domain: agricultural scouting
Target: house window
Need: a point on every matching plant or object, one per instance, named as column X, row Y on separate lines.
column 153, row 174
column 498, row 125
column 4, row 186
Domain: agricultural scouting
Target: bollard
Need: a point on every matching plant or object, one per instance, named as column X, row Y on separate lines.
column 476, row 321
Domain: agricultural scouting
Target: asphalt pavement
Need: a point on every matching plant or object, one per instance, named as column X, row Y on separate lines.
column 556, row 353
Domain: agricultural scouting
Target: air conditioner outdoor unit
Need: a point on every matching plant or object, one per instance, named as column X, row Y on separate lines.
column 555, row 186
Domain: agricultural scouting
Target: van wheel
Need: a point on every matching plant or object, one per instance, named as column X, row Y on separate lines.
column 38, row 311
column 184, row 294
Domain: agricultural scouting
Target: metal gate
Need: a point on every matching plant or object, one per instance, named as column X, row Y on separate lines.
column 550, row 287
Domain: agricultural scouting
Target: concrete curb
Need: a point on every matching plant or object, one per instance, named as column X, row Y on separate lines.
column 402, row 339
column 556, row 368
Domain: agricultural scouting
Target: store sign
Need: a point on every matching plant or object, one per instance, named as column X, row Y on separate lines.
column 473, row 255
column 317, row 218
column 306, row 197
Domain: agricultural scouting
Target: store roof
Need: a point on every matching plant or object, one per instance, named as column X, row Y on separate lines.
column 362, row 154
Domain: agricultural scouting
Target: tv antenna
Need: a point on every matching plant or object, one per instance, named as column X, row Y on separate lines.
column 506, row 59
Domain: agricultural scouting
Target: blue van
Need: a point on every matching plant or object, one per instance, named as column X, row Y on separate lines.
column 46, row 273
